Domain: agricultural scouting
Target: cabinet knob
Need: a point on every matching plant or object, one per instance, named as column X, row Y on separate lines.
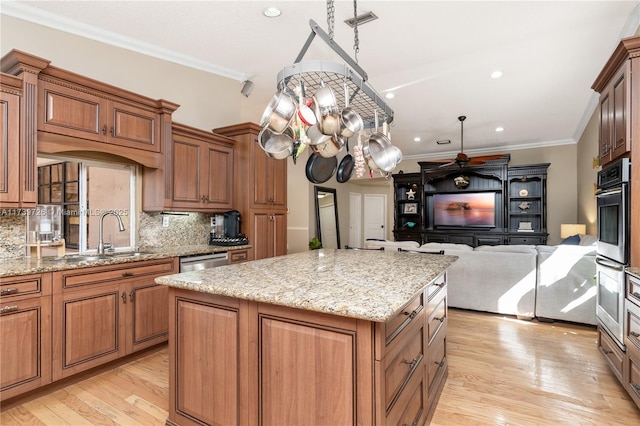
column 113, row 131
column 131, row 296
column 124, row 297
column 104, row 129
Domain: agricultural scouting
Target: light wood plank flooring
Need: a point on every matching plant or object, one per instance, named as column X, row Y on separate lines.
column 502, row 371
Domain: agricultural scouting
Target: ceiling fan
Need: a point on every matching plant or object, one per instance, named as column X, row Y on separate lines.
column 462, row 159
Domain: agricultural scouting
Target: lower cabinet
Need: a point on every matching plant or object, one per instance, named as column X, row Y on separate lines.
column 242, row 362
column 25, row 327
column 272, row 227
column 103, row 313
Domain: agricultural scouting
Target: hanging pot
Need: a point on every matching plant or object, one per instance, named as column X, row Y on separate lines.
column 346, row 167
column 277, row 146
column 320, row 169
column 323, row 145
column 326, row 110
column 278, row 114
column 350, row 121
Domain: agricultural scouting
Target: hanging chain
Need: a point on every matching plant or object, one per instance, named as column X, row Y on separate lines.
column 330, row 18
column 356, row 40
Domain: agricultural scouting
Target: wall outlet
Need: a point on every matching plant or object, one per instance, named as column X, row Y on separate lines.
column 165, row 221
column 213, row 220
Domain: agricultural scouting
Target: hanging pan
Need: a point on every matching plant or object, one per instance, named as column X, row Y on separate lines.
column 320, row 169
column 345, row 169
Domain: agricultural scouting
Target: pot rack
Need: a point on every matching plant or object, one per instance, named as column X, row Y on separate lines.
column 311, row 75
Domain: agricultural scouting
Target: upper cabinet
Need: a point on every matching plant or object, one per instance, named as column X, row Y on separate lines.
column 18, row 153
column 619, row 93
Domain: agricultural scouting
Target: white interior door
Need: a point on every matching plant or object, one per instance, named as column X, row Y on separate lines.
column 355, row 219
column 375, row 216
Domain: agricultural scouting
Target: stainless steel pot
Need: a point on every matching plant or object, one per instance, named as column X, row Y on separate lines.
column 278, row 114
column 329, row 147
column 351, row 122
column 325, row 107
column 276, row 145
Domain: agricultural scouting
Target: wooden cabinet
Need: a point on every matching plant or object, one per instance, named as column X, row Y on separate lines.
column 273, row 365
column 18, row 153
column 201, row 170
column 527, row 204
column 631, row 365
column 408, row 208
column 25, row 326
column 103, row 313
column 238, row 256
column 614, row 355
column 260, row 186
column 619, row 97
column 208, row 349
column 271, row 234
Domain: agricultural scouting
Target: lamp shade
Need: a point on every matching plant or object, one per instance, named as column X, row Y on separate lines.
column 569, row 229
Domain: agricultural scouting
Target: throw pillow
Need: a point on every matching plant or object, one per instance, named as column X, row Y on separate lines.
column 572, row 240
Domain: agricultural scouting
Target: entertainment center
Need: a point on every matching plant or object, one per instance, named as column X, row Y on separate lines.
column 488, row 204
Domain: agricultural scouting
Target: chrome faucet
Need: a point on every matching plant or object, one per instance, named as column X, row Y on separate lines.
column 101, row 244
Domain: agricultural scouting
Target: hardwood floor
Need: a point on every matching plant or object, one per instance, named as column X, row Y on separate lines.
column 501, row 371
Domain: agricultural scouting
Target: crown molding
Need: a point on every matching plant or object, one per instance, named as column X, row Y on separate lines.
column 38, row 16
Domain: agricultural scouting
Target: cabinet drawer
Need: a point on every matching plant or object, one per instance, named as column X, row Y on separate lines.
column 612, row 352
column 25, row 286
column 633, row 289
column 394, row 326
column 437, row 317
column 238, row 256
column 437, row 285
column 410, row 408
column 402, row 364
column 462, row 239
column 633, row 383
column 525, row 240
column 99, row 274
column 632, row 325
column 436, row 361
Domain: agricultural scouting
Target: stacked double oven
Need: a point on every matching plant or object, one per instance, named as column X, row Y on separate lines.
column 613, row 213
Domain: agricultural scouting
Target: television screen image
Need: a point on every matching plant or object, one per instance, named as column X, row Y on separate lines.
column 465, row 210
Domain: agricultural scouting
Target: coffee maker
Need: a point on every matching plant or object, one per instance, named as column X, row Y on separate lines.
column 226, row 230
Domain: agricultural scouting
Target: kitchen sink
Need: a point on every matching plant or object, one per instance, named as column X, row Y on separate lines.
column 90, row 257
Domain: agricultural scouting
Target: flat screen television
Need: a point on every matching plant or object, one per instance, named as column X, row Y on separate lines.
column 471, row 209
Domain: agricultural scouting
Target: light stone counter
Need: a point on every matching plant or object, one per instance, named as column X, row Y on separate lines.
column 366, row 284
column 32, row 265
column 633, row 271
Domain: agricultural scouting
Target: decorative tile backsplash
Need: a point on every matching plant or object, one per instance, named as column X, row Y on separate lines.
column 184, row 229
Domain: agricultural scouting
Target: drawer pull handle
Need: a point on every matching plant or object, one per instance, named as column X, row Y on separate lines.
column 127, row 274
column 6, row 291
column 124, row 297
column 439, row 319
column 131, row 295
column 8, row 309
column 636, row 294
column 606, row 352
column 634, row 334
column 635, row 387
column 440, row 284
column 104, row 129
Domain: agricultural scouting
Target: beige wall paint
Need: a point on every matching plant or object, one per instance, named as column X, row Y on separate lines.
column 587, row 174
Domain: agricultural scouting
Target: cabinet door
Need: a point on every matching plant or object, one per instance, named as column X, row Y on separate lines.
column 87, row 328
column 263, row 236
column 262, row 176
column 605, row 127
column 205, row 383
column 321, row 389
column 279, row 234
column 26, row 345
column 186, row 173
column 217, row 176
column 9, row 148
column 133, row 127
column 278, row 183
column 147, row 314
column 66, row 111
column 619, row 130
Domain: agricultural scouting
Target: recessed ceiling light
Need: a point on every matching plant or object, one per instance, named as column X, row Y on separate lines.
column 272, row 12
column 499, row 129
column 390, row 95
column 417, row 139
column 496, row 74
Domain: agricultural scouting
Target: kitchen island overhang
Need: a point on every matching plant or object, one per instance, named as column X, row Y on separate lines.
column 320, row 337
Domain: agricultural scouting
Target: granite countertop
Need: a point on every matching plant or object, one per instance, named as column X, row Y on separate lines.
column 32, row 265
column 366, row 284
column 632, row 270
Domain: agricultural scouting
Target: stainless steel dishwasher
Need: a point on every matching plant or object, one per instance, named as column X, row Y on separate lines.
column 203, row 261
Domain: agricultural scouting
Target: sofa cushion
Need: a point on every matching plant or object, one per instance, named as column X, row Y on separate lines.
column 445, row 247
column 588, row 240
column 507, row 249
column 572, row 240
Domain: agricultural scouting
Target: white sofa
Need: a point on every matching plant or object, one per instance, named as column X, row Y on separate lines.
column 547, row 282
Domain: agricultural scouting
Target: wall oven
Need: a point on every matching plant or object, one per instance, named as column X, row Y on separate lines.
column 612, row 204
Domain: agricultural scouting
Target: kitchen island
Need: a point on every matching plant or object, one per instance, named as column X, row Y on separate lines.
column 325, row 337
